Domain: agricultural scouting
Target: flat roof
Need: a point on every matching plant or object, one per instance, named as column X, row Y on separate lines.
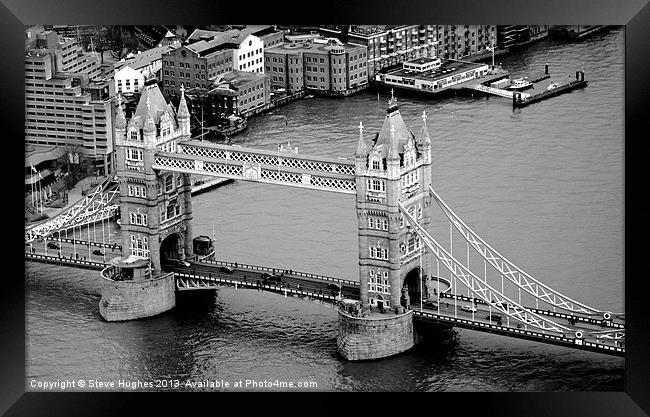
column 315, row 47
column 447, row 69
column 420, row 61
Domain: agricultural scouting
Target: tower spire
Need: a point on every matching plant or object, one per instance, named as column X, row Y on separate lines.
column 362, row 149
column 183, row 112
column 120, row 122
column 424, row 133
column 392, row 103
column 393, row 153
column 149, row 125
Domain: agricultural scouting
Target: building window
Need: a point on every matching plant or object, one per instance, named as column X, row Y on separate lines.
column 133, row 154
column 139, row 246
column 138, row 219
column 169, row 182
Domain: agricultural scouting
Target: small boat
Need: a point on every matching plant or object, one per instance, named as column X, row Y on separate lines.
column 552, row 86
column 520, row 84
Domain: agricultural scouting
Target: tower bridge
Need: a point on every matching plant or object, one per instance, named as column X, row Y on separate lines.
column 401, row 264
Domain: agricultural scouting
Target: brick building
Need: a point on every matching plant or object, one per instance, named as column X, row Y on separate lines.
column 464, row 41
column 388, row 46
column 323, row 65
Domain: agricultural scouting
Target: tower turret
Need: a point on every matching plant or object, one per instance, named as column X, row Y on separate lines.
column 393, row 160
column 425, row 141
column 149, row 128
column 183, row 115
column 362, row 149
column 120, row 121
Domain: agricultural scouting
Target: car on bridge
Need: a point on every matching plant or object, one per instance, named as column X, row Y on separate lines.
column 335, row 287
column 53, row 245
column 226, row 269
column 471, row 309
column 98, row 252
column 271, row 277
column 430, row 304
column 177, row 262
column 494, row 317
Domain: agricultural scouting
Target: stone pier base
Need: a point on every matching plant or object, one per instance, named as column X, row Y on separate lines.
column 374, row 337
column 136, row 299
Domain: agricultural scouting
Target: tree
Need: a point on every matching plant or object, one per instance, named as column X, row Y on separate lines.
column 76, row 165
column 119, row 41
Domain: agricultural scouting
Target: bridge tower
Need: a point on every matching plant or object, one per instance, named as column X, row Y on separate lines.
column 394, row 167
column 155, row 207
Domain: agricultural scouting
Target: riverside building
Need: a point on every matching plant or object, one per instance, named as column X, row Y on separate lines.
column 432, row 74
column 326, row 66
column 67, row 104
column 388, row 46
column 207, row 54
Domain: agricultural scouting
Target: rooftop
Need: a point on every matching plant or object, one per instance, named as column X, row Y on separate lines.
column 145, row 58
column 322, row 45
column 447, row 69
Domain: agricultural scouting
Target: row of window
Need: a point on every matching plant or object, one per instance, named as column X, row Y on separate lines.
column 378, row 253
column 133, row 154
column 375, row 184
column 250, row 64
column 248, row 55
column 169, row 212
column 138, row 219
column 139, row 246
column 411, row 178
column 378, row 281
column 137, row 190
column 378, row 224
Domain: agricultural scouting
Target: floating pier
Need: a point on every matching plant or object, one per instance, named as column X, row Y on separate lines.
column 519, row 100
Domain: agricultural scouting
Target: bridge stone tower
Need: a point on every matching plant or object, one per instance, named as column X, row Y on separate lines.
column 155, row 207
column 395, row 167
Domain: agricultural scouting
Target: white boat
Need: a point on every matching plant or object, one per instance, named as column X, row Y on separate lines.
column 520, row 84
column 552, row 86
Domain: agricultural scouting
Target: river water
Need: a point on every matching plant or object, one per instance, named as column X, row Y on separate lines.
column 543, row 184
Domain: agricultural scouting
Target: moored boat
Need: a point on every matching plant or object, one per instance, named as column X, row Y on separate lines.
column 520, row 84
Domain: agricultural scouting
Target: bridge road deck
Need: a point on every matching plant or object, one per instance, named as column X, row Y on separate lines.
column 201, row 275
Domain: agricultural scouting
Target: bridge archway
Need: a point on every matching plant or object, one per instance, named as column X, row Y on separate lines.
column 412, row 285
column 171, row 248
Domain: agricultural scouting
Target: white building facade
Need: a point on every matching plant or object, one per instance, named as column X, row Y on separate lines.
column 250, row 55
column 128, row 80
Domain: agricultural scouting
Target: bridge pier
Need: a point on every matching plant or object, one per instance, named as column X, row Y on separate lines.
column 135, row 297
column 375, row 336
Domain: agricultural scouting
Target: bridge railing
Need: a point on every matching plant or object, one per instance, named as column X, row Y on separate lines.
column 563, row 339
column 277, row 270
column 64, row 261
column 250, row 284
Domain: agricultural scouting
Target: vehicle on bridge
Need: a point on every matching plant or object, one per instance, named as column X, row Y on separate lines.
column 471, row 309
column 177, row 262
column 53, row 245
column 494, row 317
column 98, row 252
column 430, row 304
column 271, row 277
column 226, row 269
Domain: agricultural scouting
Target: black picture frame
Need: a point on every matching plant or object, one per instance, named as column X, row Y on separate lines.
column 634, row 14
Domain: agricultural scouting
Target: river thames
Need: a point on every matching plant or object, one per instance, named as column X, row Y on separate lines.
column 542, row 184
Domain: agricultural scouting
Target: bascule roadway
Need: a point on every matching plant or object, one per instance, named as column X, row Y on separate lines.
column 448, row 306
column 288, row 280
